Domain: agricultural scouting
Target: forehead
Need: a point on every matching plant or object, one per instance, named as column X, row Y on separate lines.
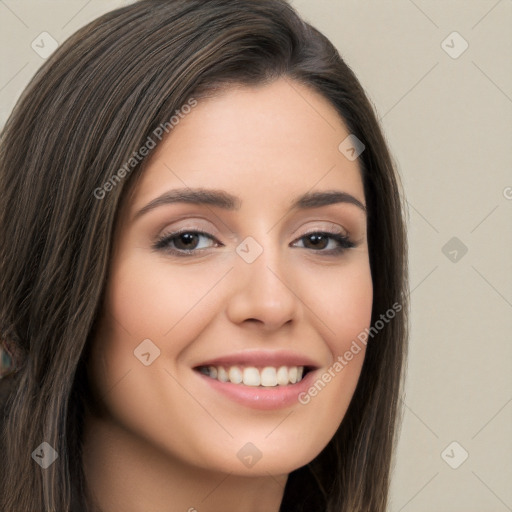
column 262, row 143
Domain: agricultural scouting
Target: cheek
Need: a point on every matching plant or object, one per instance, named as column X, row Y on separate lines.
column 343, row 302
column 148, row 300
column 151, row 299
column 344, row 307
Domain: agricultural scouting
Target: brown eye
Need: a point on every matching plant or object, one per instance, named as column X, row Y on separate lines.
column 316, row 241
column 326, row 243
column 185, row 242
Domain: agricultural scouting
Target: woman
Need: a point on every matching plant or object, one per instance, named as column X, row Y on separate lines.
column 203, row 270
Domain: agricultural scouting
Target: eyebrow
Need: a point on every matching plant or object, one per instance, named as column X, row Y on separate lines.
column 221, row 199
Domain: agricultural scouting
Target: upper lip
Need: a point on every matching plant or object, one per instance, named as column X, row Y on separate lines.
column 261, row 358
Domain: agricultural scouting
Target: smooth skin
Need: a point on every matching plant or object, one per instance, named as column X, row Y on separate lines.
column 164, row 439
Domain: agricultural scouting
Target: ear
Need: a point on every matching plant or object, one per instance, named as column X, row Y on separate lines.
column 11, row 356
column 6, row 362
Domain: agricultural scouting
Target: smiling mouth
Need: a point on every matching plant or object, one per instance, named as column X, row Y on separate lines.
column 252, row 376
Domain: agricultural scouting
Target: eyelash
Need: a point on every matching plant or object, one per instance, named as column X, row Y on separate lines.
column 163, row 242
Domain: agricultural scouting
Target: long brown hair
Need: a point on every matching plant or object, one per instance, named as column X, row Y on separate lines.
column 94, row 103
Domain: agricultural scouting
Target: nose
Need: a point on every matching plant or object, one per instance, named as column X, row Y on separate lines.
column 263, row 294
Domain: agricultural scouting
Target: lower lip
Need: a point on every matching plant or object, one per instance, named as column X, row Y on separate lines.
column 277, row 397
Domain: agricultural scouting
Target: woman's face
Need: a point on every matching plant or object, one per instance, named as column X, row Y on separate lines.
column 269, row 277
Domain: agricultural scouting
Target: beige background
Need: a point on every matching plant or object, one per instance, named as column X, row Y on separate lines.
column 449, row 125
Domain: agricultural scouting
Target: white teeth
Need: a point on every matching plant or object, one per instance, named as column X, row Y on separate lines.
column 222, row 374
column 282, row 376
column 269, row 376
column 235, row 375
column 251, row 376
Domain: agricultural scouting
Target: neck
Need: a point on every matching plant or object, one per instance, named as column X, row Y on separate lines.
column 124, row 472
